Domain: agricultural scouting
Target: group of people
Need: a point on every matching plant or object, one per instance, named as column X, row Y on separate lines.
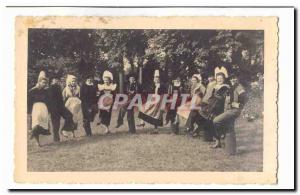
column 210, row 108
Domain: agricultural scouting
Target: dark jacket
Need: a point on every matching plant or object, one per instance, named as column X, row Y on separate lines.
column 56, row 103
column 88, row 96
column 37, row 95
column 161, row 89
column 237, row 95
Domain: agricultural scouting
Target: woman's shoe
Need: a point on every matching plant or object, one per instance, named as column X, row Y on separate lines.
column 118, row 125
column 141, row 125
column 64, row 133
column 217, row 144
column 107, row 130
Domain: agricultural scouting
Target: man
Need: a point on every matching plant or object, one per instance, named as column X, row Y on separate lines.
column 132, row 89
column 174, row 90
column 88, row 96
column 57, row 108
column 234, row 104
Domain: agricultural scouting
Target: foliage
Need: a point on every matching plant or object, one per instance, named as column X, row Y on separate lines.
column 175, row 52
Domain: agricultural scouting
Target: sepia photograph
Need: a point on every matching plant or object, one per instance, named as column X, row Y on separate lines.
column 148, row 99
column 69, row 71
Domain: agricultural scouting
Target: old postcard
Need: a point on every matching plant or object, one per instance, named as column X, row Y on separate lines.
column 164, row 100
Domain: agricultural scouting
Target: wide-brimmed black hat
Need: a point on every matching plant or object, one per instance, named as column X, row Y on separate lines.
column 131, row 75
column 89, row 76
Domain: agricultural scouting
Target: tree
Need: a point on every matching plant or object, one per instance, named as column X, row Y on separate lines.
column 178, row 52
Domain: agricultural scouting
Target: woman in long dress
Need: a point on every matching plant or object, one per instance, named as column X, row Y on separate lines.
column 215, row 104
column 71, row 95
column 152, row 113
column 107, row 94
column 197, row 91
column 38, row 103
column 213, row 107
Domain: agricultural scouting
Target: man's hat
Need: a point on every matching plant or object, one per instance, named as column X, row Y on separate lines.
column 89, row 76
column 131, row 75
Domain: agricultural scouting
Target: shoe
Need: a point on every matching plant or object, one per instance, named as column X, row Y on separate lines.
column 118, row 125
column 154, row 131
column 217, row 144
column 195, row 134
column 64, row 133
column 107, row 130
column 141, row 125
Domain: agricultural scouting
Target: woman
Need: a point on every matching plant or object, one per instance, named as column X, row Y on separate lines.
column 107, row 93
column 152, row 113
column 38, row 103
column 71, row 94
column 197, row 89
column 221, row 69
column 215, row 104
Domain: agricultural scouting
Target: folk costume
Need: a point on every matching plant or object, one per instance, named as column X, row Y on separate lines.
column 88, row 96
column 174, row 90
column 208, row 110
column 221, row 69
column 107, row 92
column 57, row 110
column 71, row 94
column 224, row 122
column 197, row 91
column 152, row 113
column 132, row 89
column 38, row 104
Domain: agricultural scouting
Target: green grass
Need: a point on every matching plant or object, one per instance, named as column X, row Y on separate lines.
column 121, row 151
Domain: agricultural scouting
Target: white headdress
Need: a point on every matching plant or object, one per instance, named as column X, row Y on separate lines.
column 42, row 76
column 108, row 74
column 69, row 79
column 221, row 70
column 156, row 73
column 198, row 76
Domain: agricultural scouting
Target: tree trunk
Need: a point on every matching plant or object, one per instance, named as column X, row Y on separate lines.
column 140, row 75
column 121, row 81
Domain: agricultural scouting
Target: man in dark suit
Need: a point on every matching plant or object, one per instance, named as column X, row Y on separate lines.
column 88, row 96
column 234, row 104
column 57, row 108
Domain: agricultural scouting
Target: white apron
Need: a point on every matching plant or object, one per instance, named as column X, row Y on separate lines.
column 73, row 104
column 40, row 115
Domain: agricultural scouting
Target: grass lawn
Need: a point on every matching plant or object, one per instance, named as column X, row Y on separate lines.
column 121, row 151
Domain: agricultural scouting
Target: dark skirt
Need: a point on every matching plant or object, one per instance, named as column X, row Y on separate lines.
column 39, row 130
column 152, row 120
column 105, row 116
